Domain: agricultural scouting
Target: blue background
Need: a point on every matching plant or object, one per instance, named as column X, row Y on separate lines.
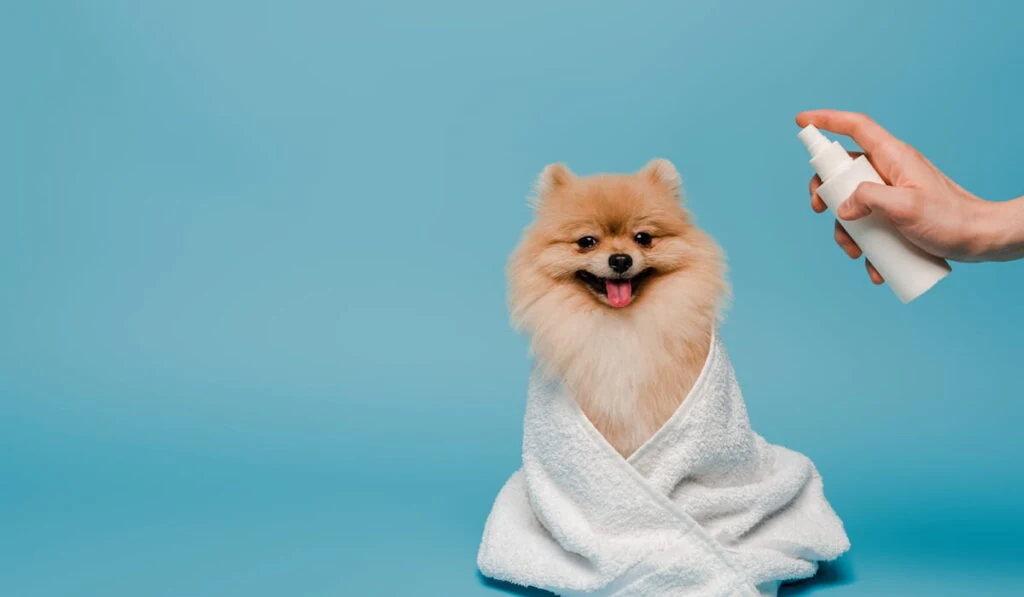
column 253, row 338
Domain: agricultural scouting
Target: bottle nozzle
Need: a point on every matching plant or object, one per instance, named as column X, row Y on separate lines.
column 827, row 157
column 812, row 139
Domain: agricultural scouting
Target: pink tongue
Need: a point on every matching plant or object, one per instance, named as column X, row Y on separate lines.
column 619, row 292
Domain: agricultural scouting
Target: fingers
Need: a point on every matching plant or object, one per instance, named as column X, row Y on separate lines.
column 816, row 203
column 876, row 278
column 866, row 132
column 851, row 248
column 845, row 242
column 858, row 205
column 897, row 204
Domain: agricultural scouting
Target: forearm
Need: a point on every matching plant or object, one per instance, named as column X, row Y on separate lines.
column 1001, row 234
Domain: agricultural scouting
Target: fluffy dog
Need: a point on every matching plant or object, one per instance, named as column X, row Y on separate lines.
column 619, row 292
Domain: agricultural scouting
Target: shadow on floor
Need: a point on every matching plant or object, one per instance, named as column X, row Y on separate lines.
column 511, row 589
column 830, row 574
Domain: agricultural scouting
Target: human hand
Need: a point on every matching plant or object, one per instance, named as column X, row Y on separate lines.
column 925, row 205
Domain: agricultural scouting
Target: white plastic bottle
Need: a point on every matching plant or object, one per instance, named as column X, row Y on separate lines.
column 908, row 270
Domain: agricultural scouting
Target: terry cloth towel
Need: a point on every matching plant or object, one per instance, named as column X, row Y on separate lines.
column 705, row 508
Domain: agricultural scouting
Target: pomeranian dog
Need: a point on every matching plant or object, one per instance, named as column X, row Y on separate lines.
column 619, row 292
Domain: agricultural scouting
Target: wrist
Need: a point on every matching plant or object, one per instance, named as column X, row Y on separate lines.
column 1000, row 236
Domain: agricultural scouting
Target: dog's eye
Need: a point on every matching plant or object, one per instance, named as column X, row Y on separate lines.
column 643, row 239
column 586, row 242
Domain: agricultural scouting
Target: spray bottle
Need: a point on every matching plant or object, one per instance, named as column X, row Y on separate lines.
column 908, row 269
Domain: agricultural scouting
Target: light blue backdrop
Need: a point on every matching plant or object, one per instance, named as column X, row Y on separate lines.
column 253, row 338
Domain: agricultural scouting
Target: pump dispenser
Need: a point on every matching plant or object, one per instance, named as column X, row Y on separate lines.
column 907, row 269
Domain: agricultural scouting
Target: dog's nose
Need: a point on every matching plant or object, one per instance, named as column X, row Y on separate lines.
column 620, row 262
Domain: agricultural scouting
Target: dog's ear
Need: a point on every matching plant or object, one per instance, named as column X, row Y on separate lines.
column 661, row 172
column 552, row 177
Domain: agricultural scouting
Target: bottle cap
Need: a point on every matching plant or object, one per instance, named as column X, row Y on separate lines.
column 828, row 158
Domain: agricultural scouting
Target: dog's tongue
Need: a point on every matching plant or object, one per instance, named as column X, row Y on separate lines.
column 619, row 292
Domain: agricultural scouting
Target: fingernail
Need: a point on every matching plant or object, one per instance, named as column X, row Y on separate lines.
column 844, row 209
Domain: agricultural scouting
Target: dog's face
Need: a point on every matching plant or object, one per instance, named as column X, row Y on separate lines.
column 610, row 238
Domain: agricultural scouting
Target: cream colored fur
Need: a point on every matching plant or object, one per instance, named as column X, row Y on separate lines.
column 631, row 366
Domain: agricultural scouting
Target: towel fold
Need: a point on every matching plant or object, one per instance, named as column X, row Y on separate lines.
column 705, row 508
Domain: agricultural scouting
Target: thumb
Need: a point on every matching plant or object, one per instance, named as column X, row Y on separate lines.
column 871, row 197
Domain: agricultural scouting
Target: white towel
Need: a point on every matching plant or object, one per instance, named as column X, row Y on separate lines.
column 705, row 508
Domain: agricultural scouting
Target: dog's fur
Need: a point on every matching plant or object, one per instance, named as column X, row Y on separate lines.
column 629, row 366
